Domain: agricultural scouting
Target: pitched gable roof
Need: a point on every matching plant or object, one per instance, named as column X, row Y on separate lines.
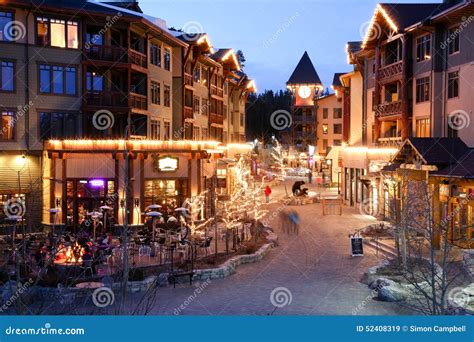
column 336, row 82
column 304, row 73
column 463, row 168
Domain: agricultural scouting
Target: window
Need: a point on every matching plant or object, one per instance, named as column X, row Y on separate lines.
column 167, row 59
column 325, row 129
column 337, row 142
column 453, row 84
column 60, row 125
column 197, row 74
column 155, row 127
column 242, row 119
column 196, row 132
column 325, row 144
column 423, row 89
column 423, row 128
column 8, row 126
column 167, row 130
column 155, row 55
column 325, row 113
column 7, row 76
column 167, row 94
column 57, row 33
column 6, row 19
column 57, row 80
column 94, row 82
column 155, row 93
column 337, row 113
column 204, row 75
column 204, row 134
column 337, row 128
column 453, row 40
column 423, row 48
column 196, row 104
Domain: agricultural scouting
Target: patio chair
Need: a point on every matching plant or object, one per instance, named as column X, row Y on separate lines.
column 144, row 251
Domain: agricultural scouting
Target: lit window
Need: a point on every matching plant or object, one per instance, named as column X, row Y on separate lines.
column 5, row 19
column 325, row 129
column 7, row 76
column 197, row 74
column 167, row 130
column 423, row 128
column 423, row 48
column 7, row 125
column 58, row 33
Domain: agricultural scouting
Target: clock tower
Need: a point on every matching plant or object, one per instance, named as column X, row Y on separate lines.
column 305, row 86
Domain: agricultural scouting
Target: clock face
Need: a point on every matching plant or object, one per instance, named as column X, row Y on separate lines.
column 304, row 92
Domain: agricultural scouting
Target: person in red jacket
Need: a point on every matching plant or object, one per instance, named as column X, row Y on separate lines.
column 268, row 191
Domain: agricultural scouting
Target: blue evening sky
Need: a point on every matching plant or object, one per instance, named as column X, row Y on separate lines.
column 273, row 34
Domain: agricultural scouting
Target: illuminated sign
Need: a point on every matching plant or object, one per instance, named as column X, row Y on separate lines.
column 96, row 182
column 167, row 164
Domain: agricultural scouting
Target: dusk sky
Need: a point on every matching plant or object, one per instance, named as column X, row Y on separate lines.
column 273, row 34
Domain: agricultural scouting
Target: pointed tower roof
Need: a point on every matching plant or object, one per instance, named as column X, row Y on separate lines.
column 304, row 73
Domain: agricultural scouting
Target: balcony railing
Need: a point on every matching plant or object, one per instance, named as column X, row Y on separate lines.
column 138, row 101
column 388, row 109
column 217, row 91
column 107, row 53
column 115, row 54
column 390, row 141
column 304, row 118
column 188, row 79
column 188, row 113
column 391, row 72
column 215, row 118
column 137, row 58
column 106, row 99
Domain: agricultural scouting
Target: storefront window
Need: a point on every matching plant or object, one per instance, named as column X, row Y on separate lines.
column 165, row 192
column 85, row 196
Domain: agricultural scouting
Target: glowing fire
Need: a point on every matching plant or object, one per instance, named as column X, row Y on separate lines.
column 74, row 254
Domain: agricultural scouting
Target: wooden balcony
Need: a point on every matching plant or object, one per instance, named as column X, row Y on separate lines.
column 215, row 118
column 137, row 58
column 188, row 113
column 106, row 53
column 304, row 119
column 115, row 54
column 391, row 72
column 217, row 91
column 106, row 99
column 388, row 109
column 138, row 101
column 390, row 142
column 188, row 79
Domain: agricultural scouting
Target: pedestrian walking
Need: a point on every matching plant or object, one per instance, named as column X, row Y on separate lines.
column 268, row 191
column 294, row 220
column 310, row 177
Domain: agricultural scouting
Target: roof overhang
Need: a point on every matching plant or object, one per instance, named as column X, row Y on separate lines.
column 379, row 18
